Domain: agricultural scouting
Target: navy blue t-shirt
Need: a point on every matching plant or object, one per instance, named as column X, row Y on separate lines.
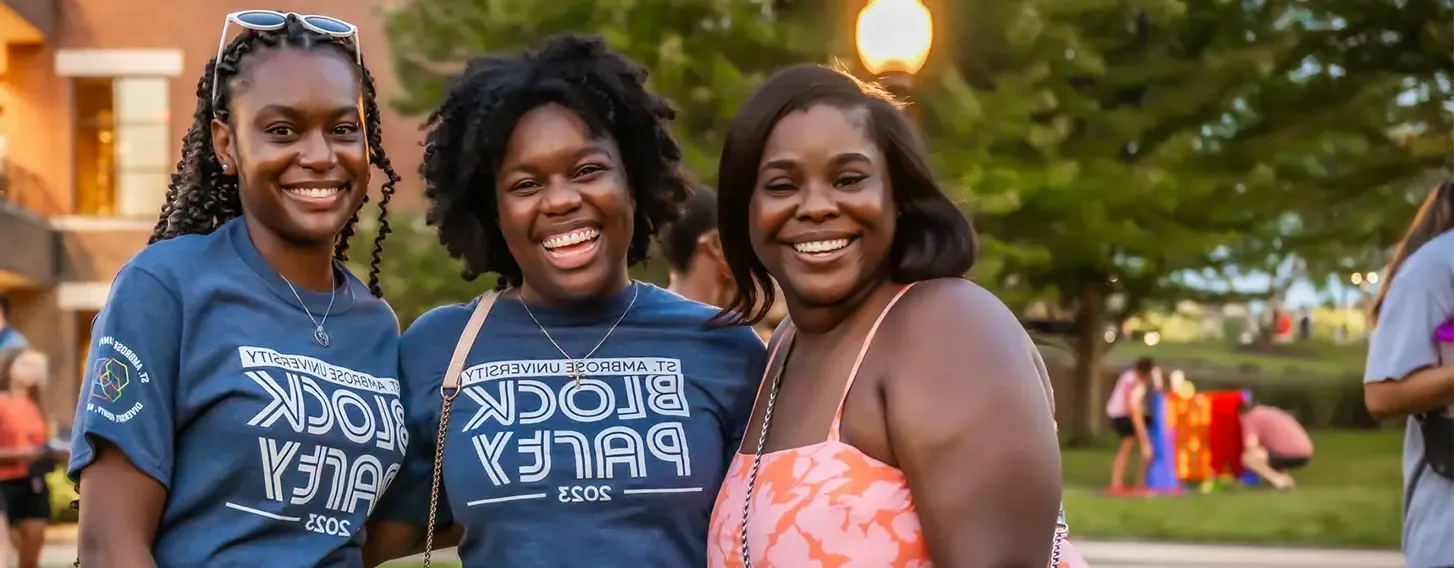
column 204, row 371
column 621, row 470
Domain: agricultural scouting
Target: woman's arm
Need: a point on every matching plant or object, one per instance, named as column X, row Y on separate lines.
column 969, row 426
column 395, row 528
column 124, row 466
column 1404, row 374
column 122, row 508
column 1136, row 405
column 12, row 455
column 1421, row 391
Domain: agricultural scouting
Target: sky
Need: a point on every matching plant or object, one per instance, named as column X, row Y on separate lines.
column 1303, row 293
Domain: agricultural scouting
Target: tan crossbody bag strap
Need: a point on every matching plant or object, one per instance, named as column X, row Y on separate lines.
column 447, row 391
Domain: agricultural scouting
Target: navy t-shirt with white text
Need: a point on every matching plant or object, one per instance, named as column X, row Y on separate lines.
column 205, row 373
column 620, row 471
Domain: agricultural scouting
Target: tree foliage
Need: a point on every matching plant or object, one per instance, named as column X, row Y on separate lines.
column 705, row 56
column 1108, row 149
column 1115, row 147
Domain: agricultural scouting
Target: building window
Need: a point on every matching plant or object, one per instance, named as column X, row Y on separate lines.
column 84, row 321
column 122, row 145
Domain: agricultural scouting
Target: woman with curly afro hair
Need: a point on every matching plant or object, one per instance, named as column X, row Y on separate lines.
column 589, row 419
column 240, row 405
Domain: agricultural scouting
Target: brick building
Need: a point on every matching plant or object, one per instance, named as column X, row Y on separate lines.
column 95, row 96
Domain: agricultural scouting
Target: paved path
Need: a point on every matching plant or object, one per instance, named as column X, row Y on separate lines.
column 1146, row 555
column 1098, row 554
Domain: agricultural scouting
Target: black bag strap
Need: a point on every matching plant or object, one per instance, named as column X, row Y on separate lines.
column 1414, row 483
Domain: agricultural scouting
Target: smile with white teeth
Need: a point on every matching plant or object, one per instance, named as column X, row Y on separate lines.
column 575, row 237
column 820, row 247
column 315, row 192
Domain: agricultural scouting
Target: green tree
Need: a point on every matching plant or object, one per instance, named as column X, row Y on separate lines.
column 1115, row 147
column 416, row 274
column 1112, row 146
column 703, row 56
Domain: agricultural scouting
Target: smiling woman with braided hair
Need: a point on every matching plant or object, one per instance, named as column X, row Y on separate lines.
column 241, row 404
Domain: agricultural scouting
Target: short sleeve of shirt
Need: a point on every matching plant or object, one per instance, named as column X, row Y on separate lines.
column 126, row 398
column 407, row 498
column 1420, row 299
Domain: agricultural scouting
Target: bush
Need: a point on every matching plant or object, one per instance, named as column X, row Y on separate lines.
column 62, row 492
column 1317, row 402
column 1319, row 383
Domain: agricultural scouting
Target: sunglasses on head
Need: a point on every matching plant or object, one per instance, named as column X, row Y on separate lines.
column 269, row 20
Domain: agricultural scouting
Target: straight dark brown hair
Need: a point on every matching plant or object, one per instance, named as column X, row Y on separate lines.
column 933, row 239
column 1435, row 217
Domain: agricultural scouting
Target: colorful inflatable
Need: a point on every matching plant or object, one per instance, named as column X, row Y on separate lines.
column 1196, row 438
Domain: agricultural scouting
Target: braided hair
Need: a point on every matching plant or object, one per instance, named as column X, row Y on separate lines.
column 201, row 197
column 468, row 134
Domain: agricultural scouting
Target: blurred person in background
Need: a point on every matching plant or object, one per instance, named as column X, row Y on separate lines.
column 1129, row 409
column 693, row 251
column 24, row 458
column 1405, row 375
column 9, row 336
column 1273, row 442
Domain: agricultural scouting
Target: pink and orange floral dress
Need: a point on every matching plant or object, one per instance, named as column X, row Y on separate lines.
column 825, row 505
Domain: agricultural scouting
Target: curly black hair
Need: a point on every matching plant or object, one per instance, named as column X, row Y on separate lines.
column 201, row 197
column 468, row 133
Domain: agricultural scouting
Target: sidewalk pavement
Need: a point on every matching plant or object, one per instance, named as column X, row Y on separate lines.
column 60, row 551
column 1160, row 555
column 1145, row 555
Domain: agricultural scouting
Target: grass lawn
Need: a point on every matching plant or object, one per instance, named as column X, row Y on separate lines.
column 1348, row 496
column 1311, row 359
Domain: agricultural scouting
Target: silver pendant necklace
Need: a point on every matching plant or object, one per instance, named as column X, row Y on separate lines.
column 576, row 365
column 777, row 381
column 319, row 334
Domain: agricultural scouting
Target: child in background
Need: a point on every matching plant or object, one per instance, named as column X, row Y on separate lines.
column 1130, row 414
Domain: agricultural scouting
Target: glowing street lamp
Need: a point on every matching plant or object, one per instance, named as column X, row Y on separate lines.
column 893, row 39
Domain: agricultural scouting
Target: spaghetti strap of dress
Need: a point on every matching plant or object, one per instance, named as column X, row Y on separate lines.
column 857, row 363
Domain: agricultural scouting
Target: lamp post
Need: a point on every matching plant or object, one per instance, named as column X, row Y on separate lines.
column 893, row 39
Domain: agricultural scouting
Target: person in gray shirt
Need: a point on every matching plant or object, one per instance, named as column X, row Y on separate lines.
column 1405, row 376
